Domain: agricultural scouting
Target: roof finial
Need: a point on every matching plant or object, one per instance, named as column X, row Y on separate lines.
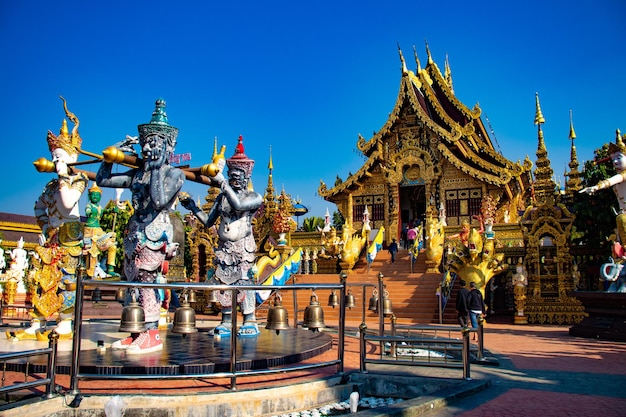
column 270, row 165
column 417, row 60
column 572, row 134
column 404, row 70
column 430, row 58
column 448, row 74
column 539, row 120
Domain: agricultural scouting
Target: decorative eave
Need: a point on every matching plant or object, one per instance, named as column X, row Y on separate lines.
column 444, row 86
column 408, row 91
column 501, row 178
column 352, row 181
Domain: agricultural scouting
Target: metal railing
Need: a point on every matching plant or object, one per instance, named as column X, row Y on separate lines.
column 233, row 374
column 433, row 351
column 48, row 381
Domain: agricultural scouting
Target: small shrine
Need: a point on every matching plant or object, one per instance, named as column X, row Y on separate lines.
column 547, row 225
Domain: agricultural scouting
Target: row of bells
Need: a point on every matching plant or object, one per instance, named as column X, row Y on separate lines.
column 133, row 319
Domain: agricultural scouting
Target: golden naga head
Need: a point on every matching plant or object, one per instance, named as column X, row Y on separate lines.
column 474, row 243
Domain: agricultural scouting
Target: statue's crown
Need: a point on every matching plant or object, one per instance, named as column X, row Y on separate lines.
column 70, row 142
column 240, row 160
column 158, row 125
column 618, row 146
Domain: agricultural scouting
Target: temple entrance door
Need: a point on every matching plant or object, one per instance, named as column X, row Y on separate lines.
column 412, row 204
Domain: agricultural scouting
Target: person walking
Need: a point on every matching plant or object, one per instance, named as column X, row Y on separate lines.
column 393, row 249
column 462, row 310
column 475, row 304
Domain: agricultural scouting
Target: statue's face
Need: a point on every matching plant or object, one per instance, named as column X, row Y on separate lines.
column 61, row 158
column 619, row 161
column 153, row 148
column 95, row 197
column 237, row 179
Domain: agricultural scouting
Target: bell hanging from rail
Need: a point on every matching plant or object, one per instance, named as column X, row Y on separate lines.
column 350, row 300
column 314, row 315
column 133, row 318
column 333, row 301
column 387, row 311
column 211, row 298
column 373, row 301
column 192, row 296
column 120, row 295
column 96, row 295
column 184, row 319
column 277, row 318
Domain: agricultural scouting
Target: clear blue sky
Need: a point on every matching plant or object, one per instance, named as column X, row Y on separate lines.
column 304, row 78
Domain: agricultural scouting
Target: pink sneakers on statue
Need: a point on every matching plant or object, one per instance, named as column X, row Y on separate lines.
column 148, row 341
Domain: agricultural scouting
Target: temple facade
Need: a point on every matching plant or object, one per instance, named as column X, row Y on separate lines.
column 432, row 157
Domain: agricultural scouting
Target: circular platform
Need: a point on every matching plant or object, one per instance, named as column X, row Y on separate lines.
column 191, row 354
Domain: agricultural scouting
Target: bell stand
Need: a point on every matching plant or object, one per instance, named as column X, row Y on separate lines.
column 233, row 373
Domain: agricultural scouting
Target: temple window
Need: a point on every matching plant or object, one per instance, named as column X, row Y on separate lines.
column 463, row 203
column 375, row 206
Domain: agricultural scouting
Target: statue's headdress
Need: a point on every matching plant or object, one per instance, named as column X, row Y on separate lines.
column 69, row 142
column 618, row 146
column 158, row 125
column 239, row 160
column 95, row 189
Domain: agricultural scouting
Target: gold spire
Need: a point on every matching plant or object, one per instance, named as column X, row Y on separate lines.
column 572, row 134
column 404, row 69
column 539, row 120
column 574, row 182
column 448, row 74
column 417, row 60
column 270, row 165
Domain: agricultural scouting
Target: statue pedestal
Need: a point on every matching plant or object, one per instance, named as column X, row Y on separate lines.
column 607, row 315
column 520, row 320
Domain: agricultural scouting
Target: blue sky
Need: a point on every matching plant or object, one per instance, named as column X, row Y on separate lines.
column 301, row 78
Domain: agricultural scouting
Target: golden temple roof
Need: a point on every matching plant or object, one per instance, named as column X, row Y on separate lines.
column 462, row 138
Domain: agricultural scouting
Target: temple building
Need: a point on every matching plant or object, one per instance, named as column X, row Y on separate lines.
column 432, row 156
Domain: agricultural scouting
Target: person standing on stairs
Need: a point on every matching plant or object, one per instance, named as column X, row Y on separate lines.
column 393, row 250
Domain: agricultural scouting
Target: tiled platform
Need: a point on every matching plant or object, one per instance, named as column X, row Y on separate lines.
column 190, row 354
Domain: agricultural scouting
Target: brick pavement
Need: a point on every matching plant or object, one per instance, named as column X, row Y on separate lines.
column 546, row 372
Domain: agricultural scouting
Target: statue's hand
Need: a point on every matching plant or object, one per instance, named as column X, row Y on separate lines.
column 186, row 201
column 589, row 190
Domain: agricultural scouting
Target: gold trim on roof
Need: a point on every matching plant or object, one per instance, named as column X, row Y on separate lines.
column 435, row 74
column 502, row 179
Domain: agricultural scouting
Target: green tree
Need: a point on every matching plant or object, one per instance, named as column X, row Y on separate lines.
column 595, row 214
column 115, row 220
column 338, row 220
column 311, row 224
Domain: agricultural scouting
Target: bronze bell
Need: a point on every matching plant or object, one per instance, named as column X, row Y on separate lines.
column 333, row 301
column 387, row 306
column 192, row 296
column 120, row 295
column 277, row 317
column 96, row 295
column 373, row 301
column 133, row 318
column 350, row 300
column 184, row 319
column 211, row 298
column 314, row 315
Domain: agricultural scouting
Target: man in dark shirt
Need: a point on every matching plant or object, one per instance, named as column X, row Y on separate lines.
column 462, row 310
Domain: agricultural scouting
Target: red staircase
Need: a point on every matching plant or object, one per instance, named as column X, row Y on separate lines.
column 412, row 291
